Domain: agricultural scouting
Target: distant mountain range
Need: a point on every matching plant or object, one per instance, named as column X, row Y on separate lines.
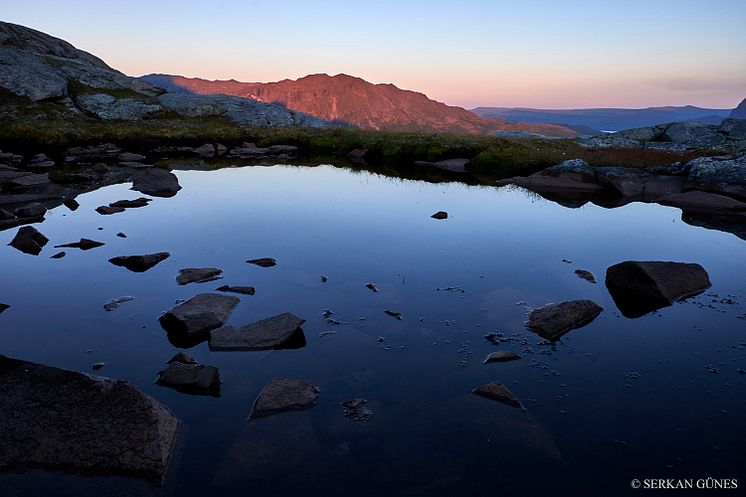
column 740, row 111
column 606, row 119
column 358, row 102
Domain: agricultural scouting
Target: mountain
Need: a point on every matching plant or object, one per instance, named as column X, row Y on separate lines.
column 607, row 119
column 740, row 111
column 41, row 74
column 358, row 102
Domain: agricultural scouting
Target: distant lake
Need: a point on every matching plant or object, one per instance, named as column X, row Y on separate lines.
column 619, row 399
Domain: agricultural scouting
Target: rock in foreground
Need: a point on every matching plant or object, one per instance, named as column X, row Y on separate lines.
column 642, row 287
column 156, row 182
column 185, row 375
column 554, row 320
column 58, row 419
column 499, row 392
column 281, row 331
column 29, row 240
column 139, row 263
column 284, row 394
column 199, row 314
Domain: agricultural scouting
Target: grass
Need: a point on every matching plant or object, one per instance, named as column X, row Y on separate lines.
column 42, row 127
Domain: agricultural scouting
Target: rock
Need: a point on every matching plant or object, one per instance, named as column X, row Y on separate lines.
column 71, row 204
column 277, row 332
column 82, row 244
column 501, row 356
column 182, row 357
column 541, row 183
column 108, row 107
column 199, row 314
column 499, row 392
column 102, row 151
column 190, row 377
column 722, row 175
column 135, row 165
column 694, row 135
column 3, row 307
column 10, row 158
column 740, row 111
column 642, row 287
column 733, row 129
column 58, row 255
column 129, row 157
column 624, row 181
column 452, row 165
column 263, row 262
column 156, row 182
column 33, row 209
column 371, row 287
column 139, row 263
column 40, row 161
column 357, row 153
column 29, row 241
column 440, row 215
column 246, row 290
column 121, row 235
column 586, row 275
column 220, row 149
column 29, row 180
column 394, row 314
column 554, row 320
column 206, row 150
column 198, row 275
column 100, row 169
column 284, row 394
column 355, row 409
column 324, row 279
column 57, row 419
column 114, row 303
column 571, row 169
column 106, row 210
column 704, row 202
column 98, row 365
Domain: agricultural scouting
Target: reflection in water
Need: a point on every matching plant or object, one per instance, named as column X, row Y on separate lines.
column 596, row 401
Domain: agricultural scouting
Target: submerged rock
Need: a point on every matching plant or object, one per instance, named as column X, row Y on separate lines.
column 199, row 314
column 501, row 356
column 499, row 392
column 586, row 275
column 554, row 320
column 198, row 275
column 642, row 287
column 263, row 262
column 284, row 394
column 57, row 419
column 82, row 244
column 277, row 332
column 114, row 303
column 245, row 290
column 139, row 263
column 356, row 409
column 156, row 182
column 371, row 287
column 440, row 215
column 29, row 240
column 185, row 375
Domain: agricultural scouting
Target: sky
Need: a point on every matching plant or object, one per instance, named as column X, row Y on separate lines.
column 549, row 54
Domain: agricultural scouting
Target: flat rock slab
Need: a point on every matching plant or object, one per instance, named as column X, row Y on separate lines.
column 114, row 303
column 263, row 262
column 640, row 287
column 82, row 244
column 57, row 419
column 271, row 333
column 156, row 182
column 186, row 376
column 499, row 392
column 131, row 204
column 554, row 320
column 139, row 263
column 198, row 315
column 29, row 240
column 198, row 275
column 501, row 356
column 284, row 394
column 245, row 290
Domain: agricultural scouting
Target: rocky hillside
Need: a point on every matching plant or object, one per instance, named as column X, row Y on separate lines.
column 358, row 102
column 47, row 75
column 740, row 111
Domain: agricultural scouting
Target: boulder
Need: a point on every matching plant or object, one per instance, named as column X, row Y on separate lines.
column 245, row 290
column 29, row 240
column 554, row 320
column 694, row 135
column 206, row 150
column 277, row 332
column 199, row 314
column 440, row 215
column 129, row 157
column 284, row 394
column 723, row 175
column 156, row 182
column 186, row 376
column 139, row 263
column 198, row 275
column 733, row 129
column 501, row 356
column 499, row 392
column 108, row 107
column 642, row 287
column 571, row 169
column 57, row 419
column 40, row 161
column 451, row 165
column 82, row 244
column 263, row 262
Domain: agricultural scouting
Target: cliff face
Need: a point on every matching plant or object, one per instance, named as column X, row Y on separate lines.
column 740, row 111
column 356, row 101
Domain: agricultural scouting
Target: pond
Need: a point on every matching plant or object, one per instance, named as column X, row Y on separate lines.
column 659, row 396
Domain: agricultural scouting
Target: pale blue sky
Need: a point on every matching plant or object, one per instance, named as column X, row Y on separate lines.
column 540, row 53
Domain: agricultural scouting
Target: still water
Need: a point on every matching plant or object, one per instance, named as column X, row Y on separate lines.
column 653, row 397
